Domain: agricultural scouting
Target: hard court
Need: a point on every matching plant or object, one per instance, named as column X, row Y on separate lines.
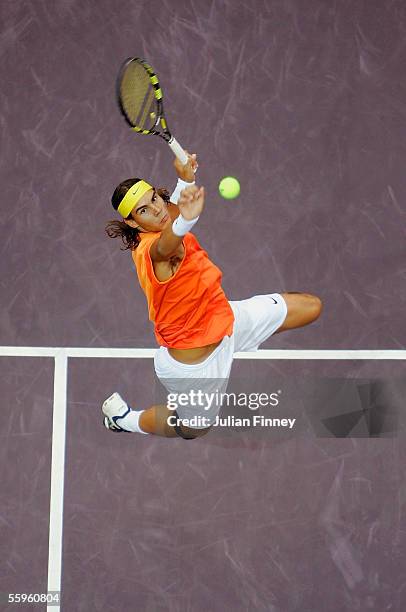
column 305, row 103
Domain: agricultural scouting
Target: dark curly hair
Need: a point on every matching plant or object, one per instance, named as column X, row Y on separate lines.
column 119, row 229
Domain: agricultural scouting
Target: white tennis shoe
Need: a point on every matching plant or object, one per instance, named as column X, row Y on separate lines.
column 114, row 408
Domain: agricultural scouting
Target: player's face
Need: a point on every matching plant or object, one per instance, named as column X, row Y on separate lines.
column 151, row 213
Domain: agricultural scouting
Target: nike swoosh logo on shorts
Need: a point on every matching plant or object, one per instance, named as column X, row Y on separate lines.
column 274, row 301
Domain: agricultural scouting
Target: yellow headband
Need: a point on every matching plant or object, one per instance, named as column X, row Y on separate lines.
column 132, row 197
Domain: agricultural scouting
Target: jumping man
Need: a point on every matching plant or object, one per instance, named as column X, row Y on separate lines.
column 197, row 328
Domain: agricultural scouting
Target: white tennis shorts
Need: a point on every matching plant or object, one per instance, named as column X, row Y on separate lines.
column 255, row 320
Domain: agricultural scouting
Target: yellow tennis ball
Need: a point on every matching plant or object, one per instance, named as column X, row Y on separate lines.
column 229, row 187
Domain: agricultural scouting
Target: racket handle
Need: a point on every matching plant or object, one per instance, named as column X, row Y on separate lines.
column 178, row 151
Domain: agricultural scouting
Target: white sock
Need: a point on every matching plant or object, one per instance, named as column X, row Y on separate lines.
column 130, row 421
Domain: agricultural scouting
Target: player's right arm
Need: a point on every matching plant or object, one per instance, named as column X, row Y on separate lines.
column 186, row 172
column 186, row 175
column 190, row 204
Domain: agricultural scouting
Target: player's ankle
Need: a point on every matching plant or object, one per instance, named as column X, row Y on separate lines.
column 131, row 421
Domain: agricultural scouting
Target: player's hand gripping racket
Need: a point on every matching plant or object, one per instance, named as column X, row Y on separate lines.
column 140, row 100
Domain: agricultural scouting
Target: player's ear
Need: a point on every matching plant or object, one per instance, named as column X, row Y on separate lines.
column 131, row 223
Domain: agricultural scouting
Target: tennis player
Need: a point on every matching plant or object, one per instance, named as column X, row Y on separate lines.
column 197, row 328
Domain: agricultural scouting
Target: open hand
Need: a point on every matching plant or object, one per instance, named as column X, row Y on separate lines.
column 191, row 202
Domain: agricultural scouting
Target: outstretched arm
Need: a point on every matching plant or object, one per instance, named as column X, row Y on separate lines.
column 191, row 203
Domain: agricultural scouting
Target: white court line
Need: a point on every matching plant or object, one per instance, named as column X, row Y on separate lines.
column 134, row 353
column 321, row 354
column 57, row 476
column 28, row 351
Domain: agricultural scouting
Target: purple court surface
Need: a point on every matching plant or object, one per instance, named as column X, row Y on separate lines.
column 305, row 103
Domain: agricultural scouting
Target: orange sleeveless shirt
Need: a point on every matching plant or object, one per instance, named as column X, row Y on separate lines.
column 189, row 309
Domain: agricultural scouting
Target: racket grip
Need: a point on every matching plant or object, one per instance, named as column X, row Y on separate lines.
column 178, row 151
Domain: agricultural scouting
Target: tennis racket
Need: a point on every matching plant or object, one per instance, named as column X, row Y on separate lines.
column 140, row 100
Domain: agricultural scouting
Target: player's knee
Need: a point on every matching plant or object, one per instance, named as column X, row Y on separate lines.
column 315, row 307
column 189, row 433
column 199, row 433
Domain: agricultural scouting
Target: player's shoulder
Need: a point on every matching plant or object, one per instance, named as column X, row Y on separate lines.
column 145, row 243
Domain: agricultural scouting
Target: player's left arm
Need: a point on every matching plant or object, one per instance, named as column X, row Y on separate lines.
column 191, row 204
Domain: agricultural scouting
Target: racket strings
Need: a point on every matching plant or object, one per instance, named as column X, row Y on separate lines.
column 138, row 97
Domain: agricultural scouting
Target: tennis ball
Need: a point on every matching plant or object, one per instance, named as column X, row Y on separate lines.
column 229, row 187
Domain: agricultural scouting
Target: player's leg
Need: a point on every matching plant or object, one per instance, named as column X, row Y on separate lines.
column 155, row 420
column 158, row 420
column 190, row 433
column 303, row 309
column 118, row 416
column 259, row 317
column 161, row 421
